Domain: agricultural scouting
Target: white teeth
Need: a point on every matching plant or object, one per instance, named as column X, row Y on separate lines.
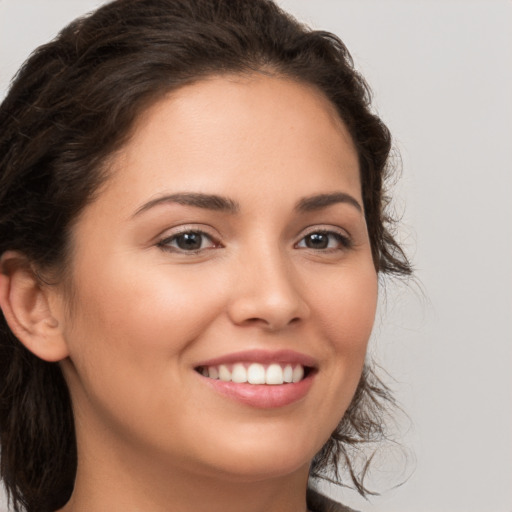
column 239, row 373
column 298, row 373
column 274, row 374
column 224, row 373
column 288, row 373
column 255, row 373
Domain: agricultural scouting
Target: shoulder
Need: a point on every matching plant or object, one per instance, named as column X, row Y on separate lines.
column 319, row 503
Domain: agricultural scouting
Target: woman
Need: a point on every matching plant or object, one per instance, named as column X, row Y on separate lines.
column 192, row 228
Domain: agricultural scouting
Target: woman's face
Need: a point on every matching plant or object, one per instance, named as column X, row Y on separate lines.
column 229, row 244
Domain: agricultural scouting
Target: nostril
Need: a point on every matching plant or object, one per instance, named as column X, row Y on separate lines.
column 273, row 323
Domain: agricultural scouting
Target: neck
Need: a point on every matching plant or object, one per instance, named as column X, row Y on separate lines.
column 133, row 483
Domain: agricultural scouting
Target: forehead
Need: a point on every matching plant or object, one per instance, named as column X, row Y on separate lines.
column 238, row 129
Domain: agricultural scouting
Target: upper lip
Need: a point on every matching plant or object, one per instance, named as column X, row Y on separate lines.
column 262, row 357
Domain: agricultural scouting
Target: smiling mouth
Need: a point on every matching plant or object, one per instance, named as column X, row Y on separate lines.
column 256, row 373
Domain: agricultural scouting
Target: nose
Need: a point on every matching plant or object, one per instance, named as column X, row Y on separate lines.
column 267, row 293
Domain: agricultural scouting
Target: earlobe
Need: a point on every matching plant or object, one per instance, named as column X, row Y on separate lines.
column 26, row 308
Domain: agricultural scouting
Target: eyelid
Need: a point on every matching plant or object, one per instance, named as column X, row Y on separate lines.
column 327, row 228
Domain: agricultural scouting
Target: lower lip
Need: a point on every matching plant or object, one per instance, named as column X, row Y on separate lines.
column 262, row 396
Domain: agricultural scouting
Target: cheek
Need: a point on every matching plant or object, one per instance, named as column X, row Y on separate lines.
column 128, row 338
column 130, row 332
column 347, row 320
column 152, row 307
column 347, row 311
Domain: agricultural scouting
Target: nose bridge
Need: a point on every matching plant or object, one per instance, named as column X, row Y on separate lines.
column 267, row 290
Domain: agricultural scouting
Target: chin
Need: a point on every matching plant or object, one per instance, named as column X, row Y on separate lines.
column 260, row 460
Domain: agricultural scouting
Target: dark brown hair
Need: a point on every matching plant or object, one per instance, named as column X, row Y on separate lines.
column 70, row 107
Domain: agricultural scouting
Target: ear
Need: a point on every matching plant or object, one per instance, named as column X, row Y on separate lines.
column 26, row 305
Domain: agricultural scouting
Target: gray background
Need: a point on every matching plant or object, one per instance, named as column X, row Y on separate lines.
column 441, row 73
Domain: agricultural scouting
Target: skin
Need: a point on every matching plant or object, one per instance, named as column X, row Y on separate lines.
column 145, row 312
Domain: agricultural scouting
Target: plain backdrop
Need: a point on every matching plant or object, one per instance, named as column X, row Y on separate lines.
column 441, row 74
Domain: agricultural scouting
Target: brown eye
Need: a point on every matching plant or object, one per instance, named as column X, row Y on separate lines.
column 317, row 241
column 321, row 240
column 189, row 241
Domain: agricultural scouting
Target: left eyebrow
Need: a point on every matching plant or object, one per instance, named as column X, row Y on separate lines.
column 317, row 202
column 197, row 200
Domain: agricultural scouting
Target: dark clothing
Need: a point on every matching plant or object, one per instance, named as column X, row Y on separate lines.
column 318, row 503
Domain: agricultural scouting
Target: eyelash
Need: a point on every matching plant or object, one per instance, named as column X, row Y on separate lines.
column 343, row 241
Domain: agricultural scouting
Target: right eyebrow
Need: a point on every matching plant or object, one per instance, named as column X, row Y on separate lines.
column 320, row 201
column 198, row 200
